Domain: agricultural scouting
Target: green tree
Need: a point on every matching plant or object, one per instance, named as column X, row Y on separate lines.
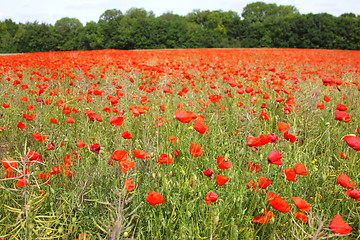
column 109, row 23
column 67, row 30
column 35, row 37
column 8, row 29
column 91, row 37
column 260, row 11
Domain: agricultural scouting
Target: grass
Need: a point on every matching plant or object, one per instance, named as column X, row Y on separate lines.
column 91, row 198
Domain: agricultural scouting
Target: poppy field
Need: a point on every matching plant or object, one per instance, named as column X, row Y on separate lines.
column 180, row 144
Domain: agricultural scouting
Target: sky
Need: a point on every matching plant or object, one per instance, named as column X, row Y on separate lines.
column 49, row 11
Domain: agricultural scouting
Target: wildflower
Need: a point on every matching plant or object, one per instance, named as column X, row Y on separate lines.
column 300, row 169
column 345, row 181
column 21, row 125
column 337, row 225
column 200, row 126
column 211, row 197
column 154, row 198
column 126, row 165
column 221, row 179
column 265, row 218
column 126, row 135
column 183, row 116
column 38, row 137
column 208, row 172
column 253, row 167
column 95, row 148
column 128, row 185
column 263, row 182
column 119, row 155
column 301, row 216
column 195, row 150
column 283, row 127
column 353, row 142
column 301, row 204
column 279, row 204
column 290, row 174
column 116, row 120
column 275, row 158
column 165, row 158
column 354, row 193
column 140, row 154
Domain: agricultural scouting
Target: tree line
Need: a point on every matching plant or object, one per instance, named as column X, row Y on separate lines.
column 260, row 25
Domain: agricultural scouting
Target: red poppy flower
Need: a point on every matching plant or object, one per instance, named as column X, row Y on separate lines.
column 224, row 165
column 38, row 137
column 70, row 120
column 354, row 193
column 253, row 167
column 279, row 204
column 33, row 156
column 345, row 181
column 275, row 158
column 9, row 163
column 128, row 185
column 126, row 135
column 221, row 179
column 263, row 182
column 290, row 174
column 172, row 139
column 289, row 137
column 29, row 117
column 95, row 147
column 208, row 172
column 283, row 127
column 176, row 152
column 264, row 116
column 214, row 98
column 119, row 155
column 301, row 216
column 5, row 105
column 321, row 106
column 21, row 125
column 200, row 126
column 342, row 116
column 165, row 158
column 116, row 120
column 261, row 140
column 162, row 107
column 300, row 169
column 53, row 120
column 50, row 146
column 21, row 182
column 183, row 116
column 326, row 98
column 126, row 165
column 141, row 154
column 353, row 142
column 337, row 225
column 341, row 107
column 195, row 150
column 301, row 204
column 211, row 197
column 154, row 198
column 265, row 218
column 80, row 144
column 343, row 155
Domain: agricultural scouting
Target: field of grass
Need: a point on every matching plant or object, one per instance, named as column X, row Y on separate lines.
column 180, row 144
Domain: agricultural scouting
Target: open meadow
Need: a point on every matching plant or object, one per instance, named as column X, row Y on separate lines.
column 180, row 144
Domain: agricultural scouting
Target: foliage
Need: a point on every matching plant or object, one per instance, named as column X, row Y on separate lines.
column 260, row 25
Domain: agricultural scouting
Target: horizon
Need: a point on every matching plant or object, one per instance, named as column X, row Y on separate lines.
column 91, row 10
